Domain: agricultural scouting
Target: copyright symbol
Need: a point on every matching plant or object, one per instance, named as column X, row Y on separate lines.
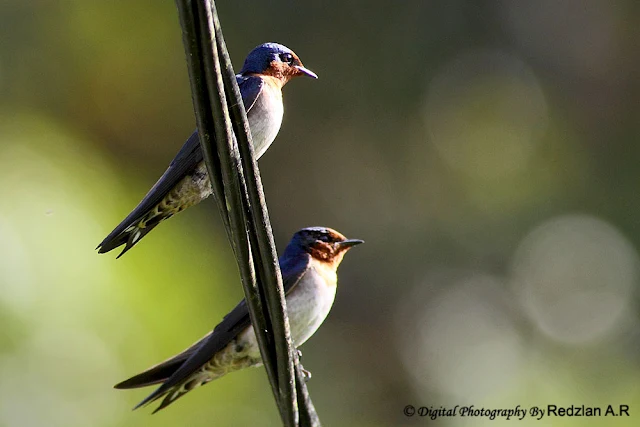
column 409, row 410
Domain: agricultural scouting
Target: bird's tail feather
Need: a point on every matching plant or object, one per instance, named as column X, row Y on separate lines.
column 162, row 372
column 173, row 393
column 155, row 375
column 131, row 235
column 159, row 374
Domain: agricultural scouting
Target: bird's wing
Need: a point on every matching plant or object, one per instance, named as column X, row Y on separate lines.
column 250, row 88
column 189, row 156
column 163, row 370
column 179, row 369
column 184, row 163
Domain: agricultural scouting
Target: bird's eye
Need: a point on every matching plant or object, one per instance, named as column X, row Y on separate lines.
column 286, row 57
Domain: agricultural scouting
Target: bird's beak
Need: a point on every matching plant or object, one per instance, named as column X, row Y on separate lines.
column 349, row 243
column 306, row 71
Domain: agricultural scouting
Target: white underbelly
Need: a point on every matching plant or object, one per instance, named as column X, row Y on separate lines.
column 307, row 305
column 265, row 119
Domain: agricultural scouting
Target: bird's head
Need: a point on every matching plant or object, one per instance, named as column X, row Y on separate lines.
column 324, row 244
column 275, row 60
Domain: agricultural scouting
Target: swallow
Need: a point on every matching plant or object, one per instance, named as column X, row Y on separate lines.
column 186, row 182
column 309, row 273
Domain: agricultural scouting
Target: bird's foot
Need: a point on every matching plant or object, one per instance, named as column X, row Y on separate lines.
column 305, row 374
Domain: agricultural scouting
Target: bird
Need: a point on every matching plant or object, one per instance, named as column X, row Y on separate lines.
column 309, row 274
column 185, row 183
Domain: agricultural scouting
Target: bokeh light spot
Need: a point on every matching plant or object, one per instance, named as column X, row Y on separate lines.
column 485, row 111
column 463, row 342
column 574, row 276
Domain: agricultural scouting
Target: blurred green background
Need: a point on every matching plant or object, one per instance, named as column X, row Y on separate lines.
column 486, row 151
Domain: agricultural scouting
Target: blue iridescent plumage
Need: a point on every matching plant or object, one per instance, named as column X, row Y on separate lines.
column 308, row 265
column 185, row 183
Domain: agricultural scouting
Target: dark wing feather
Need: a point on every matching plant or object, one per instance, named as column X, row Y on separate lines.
column 163, row 370
column 187, row 159
column 227, row 330
column 185, row 162
column 238, row 319
column 250, row 88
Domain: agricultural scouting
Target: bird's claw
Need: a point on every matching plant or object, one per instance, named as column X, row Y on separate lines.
column 305, row 374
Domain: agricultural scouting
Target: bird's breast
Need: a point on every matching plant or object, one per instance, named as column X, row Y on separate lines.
column 265, row 118
column 309, row 303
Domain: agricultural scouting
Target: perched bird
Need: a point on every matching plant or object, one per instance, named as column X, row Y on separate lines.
column 309, row 266
column 185, row 183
